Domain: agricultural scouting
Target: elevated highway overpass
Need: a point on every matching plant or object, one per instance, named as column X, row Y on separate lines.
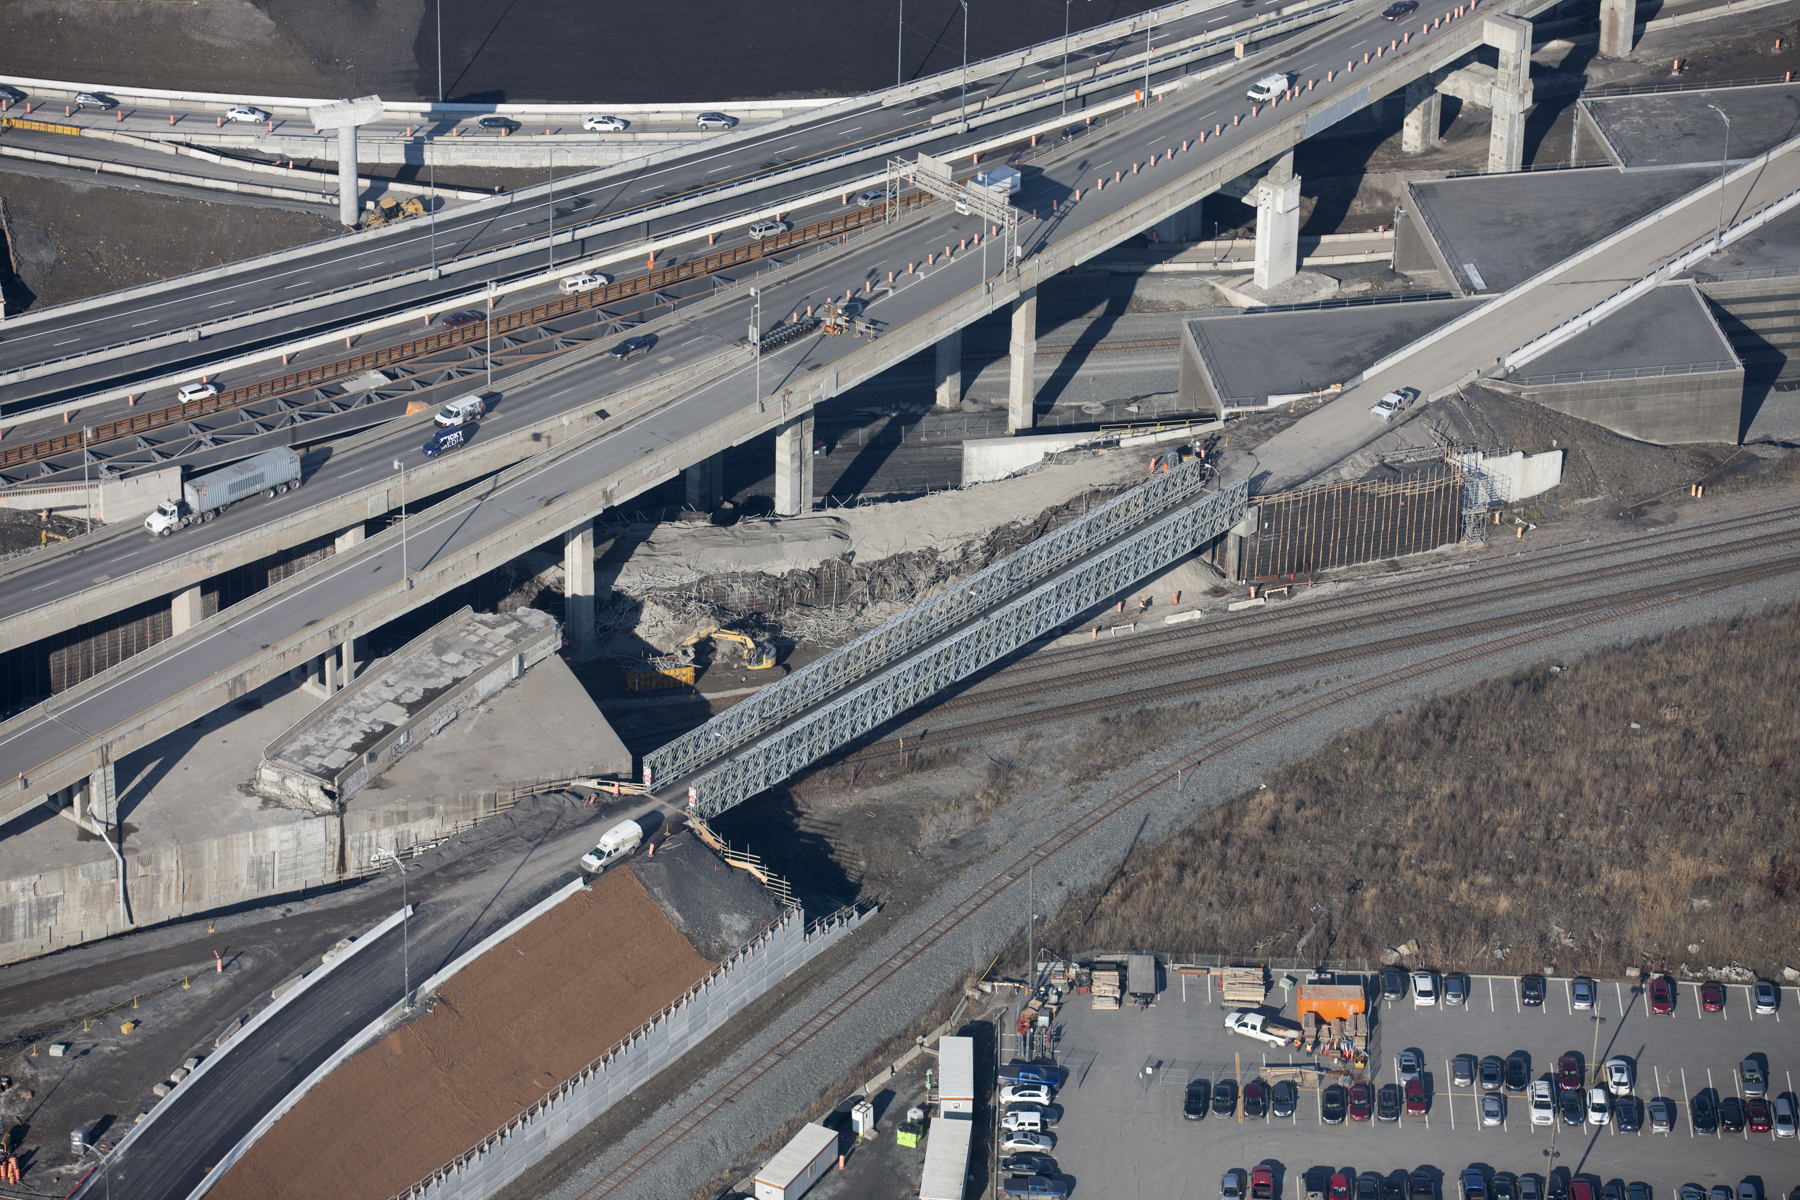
column 1087, row 196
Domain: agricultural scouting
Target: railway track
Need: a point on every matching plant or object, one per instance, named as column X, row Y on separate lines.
column 1595, row 612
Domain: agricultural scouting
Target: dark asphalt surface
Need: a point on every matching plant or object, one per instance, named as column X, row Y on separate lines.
column 40, row 735
column 512, row 222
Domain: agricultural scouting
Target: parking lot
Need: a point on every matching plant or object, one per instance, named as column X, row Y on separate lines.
column 1122, row 1133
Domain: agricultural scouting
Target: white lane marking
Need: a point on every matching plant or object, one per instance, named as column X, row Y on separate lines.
column 70, row 342
column 222, row 304
column 291, row 286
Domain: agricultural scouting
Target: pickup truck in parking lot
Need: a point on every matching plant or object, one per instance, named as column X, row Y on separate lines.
column 1272, row 1030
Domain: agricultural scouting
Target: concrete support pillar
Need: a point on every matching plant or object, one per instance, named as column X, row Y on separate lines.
column 794, row 466
column 350, row 537
column 1021, row 396
column 1424, row 116
column 89, row 803
column 1511, row 91
column 347, row 663
column 947, row 375
column 1278, row 224
column 349, row 188
column 1187, row 225
column 186, row 611
column 578, row 589
column 1618, row 21
column 705, row 482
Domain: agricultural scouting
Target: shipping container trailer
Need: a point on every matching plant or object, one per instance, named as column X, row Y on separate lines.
column 946, row 1157
column 1332, row 1001
column 956, row 1087
column 798, row 1165
column 1140, row 975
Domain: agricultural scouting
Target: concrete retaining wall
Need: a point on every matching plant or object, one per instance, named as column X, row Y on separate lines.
column 683, row 1025
column 1669, row 410
column 113, row 500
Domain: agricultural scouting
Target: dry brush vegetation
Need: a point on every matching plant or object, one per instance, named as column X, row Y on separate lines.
column 1611, row 814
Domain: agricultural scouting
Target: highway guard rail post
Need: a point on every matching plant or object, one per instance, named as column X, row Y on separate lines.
column 920, row 623
column 1012, row 626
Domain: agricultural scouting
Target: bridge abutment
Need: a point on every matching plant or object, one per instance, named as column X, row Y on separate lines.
column 704, row 483
column 1278, row 224
column 187, row 610
column 794, row 466
column 578, row 588
column 1021, row 396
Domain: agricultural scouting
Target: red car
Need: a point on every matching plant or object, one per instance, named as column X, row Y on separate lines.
column 460, row 318
column 1757, row 1111
column 1262, row 1183
column 1568, row 1072
column 1415, row 1098
column 1712, row 997
column 1339, row 1189
column 1362, row 1101
column 1580, row 1189
column 1662, row 996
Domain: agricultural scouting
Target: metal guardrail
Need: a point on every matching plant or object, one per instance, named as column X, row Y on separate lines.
column 1622, row 373
column 1626, row 89
column 1008, row 628
column 918, row 625
column 1747, row 273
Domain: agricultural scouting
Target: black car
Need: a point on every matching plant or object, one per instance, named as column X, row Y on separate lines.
column 631, row 347
column 1256, row 1100
column 1333, row 1104
column 1704, row 1113
column 1199, row 1094
column 1394, row 1187
column 1569, row 1104
column 506, row 124
column 1504, row 1187
column 1405, row 8
column 1628, row 1113
column 1224, row 1100
column 456, row 320
column 11, row 95
column 1419, row 1187
column 1531, row 991
column 1368, row 1186
column 1029, row 1164
column 1387, row 1102
column 1393, row 983
column 1284, row 1098
column 1518, row 1071
column 1731, row 1115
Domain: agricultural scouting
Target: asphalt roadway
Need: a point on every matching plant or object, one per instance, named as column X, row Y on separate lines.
column 853, row 138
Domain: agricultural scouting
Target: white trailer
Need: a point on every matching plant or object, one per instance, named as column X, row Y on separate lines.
column 956, row 1087
column 946, row 1158
column 798, row 1165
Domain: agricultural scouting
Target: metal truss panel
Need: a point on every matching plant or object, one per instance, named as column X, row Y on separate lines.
column 1006, row 629
column 921, row 624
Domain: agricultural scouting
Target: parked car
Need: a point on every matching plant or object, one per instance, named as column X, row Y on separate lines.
column 1029, row 1164
column 1393, row 983
column 1231, row 1184
column 1703, row 1111
column 1362, row 1102
column 766, row 229
column 1404, row 8
column 1503, row 1187
column 631, row 347
column 456, row 320
column 1528, row 1188
column 1368, row 1186
column 1387, row 1103
column 1782, row 1111
column 98, row 100
column 1518, row 1071
column 1493, row 1109
column 1424, row 985
column 1025, row 1093
column 1033, row 1185
column 1224, row 1100
column 504, row 124
column 1034, row 1073
column 1493, row 1072
column 1731, row 1115
column 1394, row 1187
column 1628, row 1114
column 196, row 391
column 1262, row 1182
column 1620, row 1075
column 1568, row 1071
column 1712, row 997
column 1256, row 1100
column 1472, row 1185
column 1599, row 1106
column 1456, row 988
column 1662, row 1115
column 1767, row 997
column 605, row 124
column 1415, row 1097
column 1419, row 1187
column 1462, row 1071
column 1756, row 1081
column 1543, row 1103
column 1531, row 990
column 1338, row 1188
column 1569, row 1104
column 1756, row 1115
column 1284, row 1098
column 1025, row 1140
column 1747, row 1190
column 1582, row 993
column 1412, row 1065
column 714, row 120
column 1332, row 1104
column 1199, row 1094
column 1719, row 1192
column 1662, row 996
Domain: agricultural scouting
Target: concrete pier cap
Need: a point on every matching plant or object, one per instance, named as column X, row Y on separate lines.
column 344, row 116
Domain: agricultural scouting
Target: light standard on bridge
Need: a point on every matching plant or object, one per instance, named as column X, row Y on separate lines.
column 405, row 933
column 963, row 115
column 756, row 335
column 87, row 432
column 1065, row 88
column 404, row 573
column 440, row 37
column 899, row 41
column 490, row 335
column 1724, row 157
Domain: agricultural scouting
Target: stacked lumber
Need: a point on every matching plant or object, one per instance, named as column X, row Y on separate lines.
column 1108, row 987
column 1194, row 972
column 1243, row 985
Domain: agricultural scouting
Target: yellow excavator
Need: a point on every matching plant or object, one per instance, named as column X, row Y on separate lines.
column 388, row 210
column 758, row 656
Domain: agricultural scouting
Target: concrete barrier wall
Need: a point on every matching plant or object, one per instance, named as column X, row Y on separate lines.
column 683, row 1025
column 113, row 500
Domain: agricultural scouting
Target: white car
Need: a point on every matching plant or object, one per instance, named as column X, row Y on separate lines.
column 1025, row 1093
column 243, row 112
column 1543, row 1103
column 197, row 391
column 1425, row 993
column 605, row 124
column 1270, row 86
column 715, row 120
column 1410, row 1067
column 1619, row 1075
column 1021, row 1141
column 1392, row 403
column 1599, row 1106
column 763, row 229
column 585, row 282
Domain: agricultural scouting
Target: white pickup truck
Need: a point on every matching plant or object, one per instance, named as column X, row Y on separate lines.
column 1272, row 1030
column 1393, row 402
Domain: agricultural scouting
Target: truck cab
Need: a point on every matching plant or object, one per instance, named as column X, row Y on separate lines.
column 166, row 518
column 615, row 844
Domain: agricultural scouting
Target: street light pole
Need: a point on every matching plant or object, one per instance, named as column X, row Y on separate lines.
column 440, row 40
column 1724, row 158
column 431, row 165
column 756, row 335
column 899, row 41
column 964, row 113
column 490, row 335
column 405, row 931
column 400, row 466
column 87, row 488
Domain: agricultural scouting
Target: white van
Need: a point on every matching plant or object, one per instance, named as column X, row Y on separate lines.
column 1270, row 86
column 462, row 410
column 615, row 844
column 1022, row 1121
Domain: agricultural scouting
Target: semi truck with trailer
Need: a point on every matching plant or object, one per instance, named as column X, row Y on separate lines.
column 206, row 496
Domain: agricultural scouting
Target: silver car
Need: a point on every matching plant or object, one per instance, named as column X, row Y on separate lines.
column 1462, row 1071
column 1493, row 1070
column 1456, row 988
column 247, row 114
column 763, row 229
column 1582, row 992
column 714, row 120
column 1767, row 996
column 1493, row 1110
column 1231, row 1186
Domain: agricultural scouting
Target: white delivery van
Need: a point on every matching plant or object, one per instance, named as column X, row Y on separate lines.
column 1270, row 86
column 615, row 844
column 462, row 410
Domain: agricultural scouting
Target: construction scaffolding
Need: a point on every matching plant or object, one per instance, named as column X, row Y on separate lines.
column 1312, row 529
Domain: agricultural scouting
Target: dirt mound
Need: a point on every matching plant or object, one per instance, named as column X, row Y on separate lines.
column 525, row 1016
column 716, row 908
